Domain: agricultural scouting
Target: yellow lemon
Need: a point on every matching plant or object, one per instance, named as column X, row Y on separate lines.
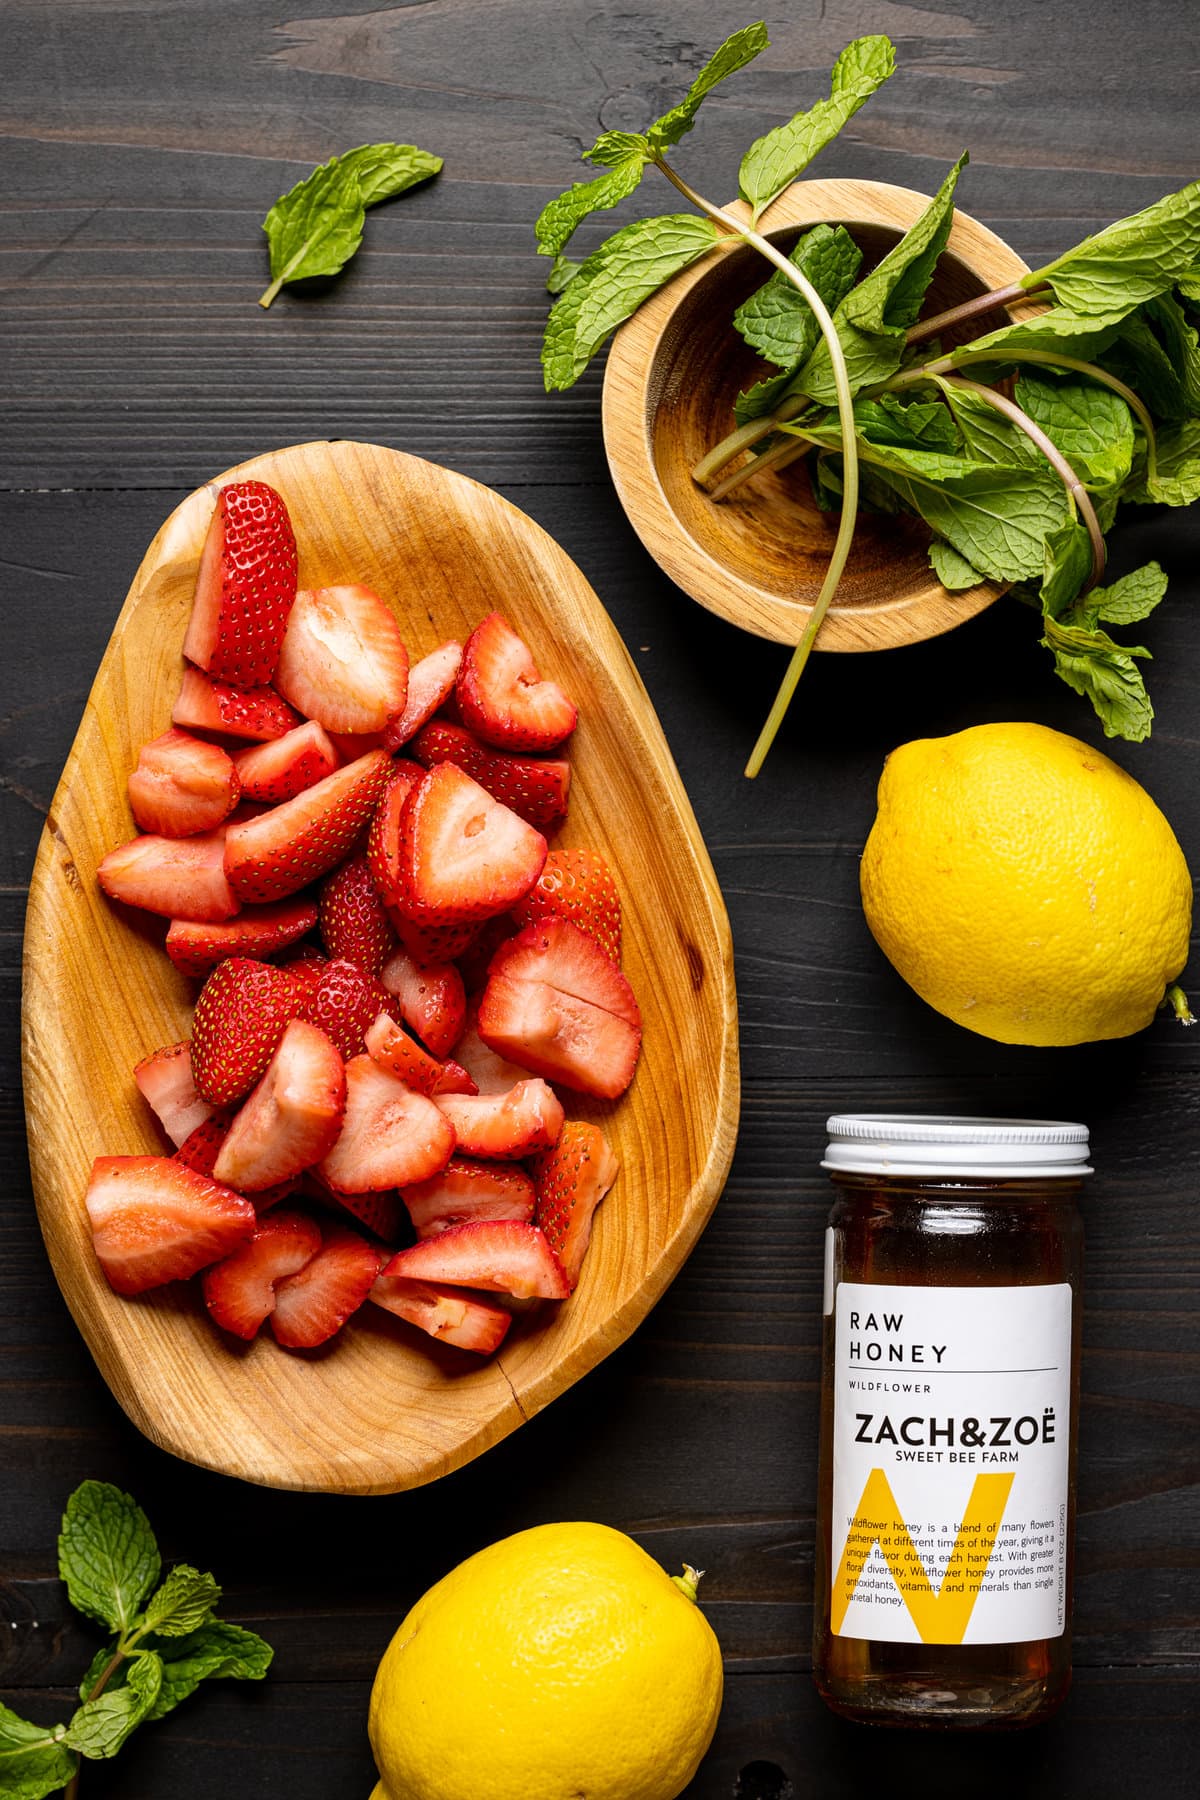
column 1026, row 886
column 559, row 1664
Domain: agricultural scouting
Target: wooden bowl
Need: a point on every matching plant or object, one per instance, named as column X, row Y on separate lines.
column 759, row 557
column 380, row 1408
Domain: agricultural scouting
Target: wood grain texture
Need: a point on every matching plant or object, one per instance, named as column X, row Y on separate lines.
column 377, row 1411
column 758, row 558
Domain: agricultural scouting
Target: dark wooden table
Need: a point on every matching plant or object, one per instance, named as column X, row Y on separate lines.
column 146, row 138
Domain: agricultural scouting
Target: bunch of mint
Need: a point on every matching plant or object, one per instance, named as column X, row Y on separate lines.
column 166, row 1640
column 1019, row 490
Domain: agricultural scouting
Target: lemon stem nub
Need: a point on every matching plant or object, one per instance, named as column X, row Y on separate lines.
column 689, row 1582
column 1177, row 1000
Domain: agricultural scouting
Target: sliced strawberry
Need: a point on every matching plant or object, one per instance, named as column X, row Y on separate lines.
column 311, row 1305
column 497, row 1254
column 383, row 839
column 393, row 1049
column 491, row 1073
column 353, row 922
column 430, row 997
column 182, row 785
column 462, row 854
column 449, row 1314
column 434, row 943
column 208, row 705
column 200, row 1152
column 166, row 1082
column 430, row 683
column 501, row 695
column 572, row 1180
column 344, row 1003
column 390, row 1135
column 272, row 856
column 535, row 788
column 181, row 878
column 381, row 1210
column 467, row 1191
column 155, row 1220
column 257, row 932
column 350, row 745
column 475, row 961
column 525, row 1120
column 240, row 1292
column 285, row 767
column 291, row 1118
column 245, row 588
column 343, row 661
column 243, row 1010
column 454, row 1079
column 576, row 885
column 558, row 1006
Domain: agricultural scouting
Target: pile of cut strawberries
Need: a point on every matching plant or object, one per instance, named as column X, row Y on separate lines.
column 397, row 972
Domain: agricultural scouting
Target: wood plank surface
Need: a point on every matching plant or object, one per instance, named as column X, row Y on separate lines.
column 144, row 139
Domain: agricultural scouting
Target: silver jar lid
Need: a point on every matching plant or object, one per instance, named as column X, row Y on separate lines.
column 956, row 1149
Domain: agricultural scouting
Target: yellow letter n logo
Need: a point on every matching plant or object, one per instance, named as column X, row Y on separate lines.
column 941, row 1617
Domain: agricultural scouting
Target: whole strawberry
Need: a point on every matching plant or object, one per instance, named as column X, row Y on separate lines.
column 243, row 1010
column 353, row 922
column 245, row 588
column 577, row 885
column 347, row 1000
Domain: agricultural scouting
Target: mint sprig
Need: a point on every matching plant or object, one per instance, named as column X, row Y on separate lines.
column 165, row 1641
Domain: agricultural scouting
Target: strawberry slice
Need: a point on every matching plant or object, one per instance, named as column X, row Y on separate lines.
column 558, row 1006
column 243, row 1011
column 393, row 1049
column 166, row 1082
column 576, row 885
column 292, row 1117
column 434, row 943
column 430, row 997
column 343, row 661
column 272, row 856
column 492, row 1074
column 383, row 839
column 240, row 1292
column 155, row 1220
column 180, row 878
column 311, row 1305
column 381, row 1210
column 390, row 1135
column 200, row 1152
column 344, row 1003
column 501, row 695
column 462, row 854
column 182, row 785
column 468, row 1191
column 572, row 1180
column 525, row 1120
column 245, row 588
column 535, row 788
column 497, row 1254
column 207, row 705
column 475, row 961
column 454, row 1079
column 353, row 922
column 430, row 683
column 257, row 932
column 350, row 745
column 287, row 765
column 448, row 1314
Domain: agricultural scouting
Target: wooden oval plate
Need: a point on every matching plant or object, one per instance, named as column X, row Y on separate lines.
column 377, row 1410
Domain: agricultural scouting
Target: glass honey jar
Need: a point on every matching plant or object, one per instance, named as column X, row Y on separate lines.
column 949, row 1413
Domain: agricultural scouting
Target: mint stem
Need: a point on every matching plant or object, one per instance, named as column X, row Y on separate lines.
column 776, row 458
column 110, row 1668
column 971, row 309
column 845, row 409
column 1177, row 1000
column 265, row 298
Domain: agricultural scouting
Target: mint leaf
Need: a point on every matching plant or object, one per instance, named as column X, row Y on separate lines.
column 562, row 272
column 1126, row 602
column 777, row 320
column 627, row 268
column 996, row 518
column 872, row 320
column 557, row 222
column 315, row 228
column 1130, row 261
column 953, row 571
column 1092, row 426
column 107, row 1554
column 34, row 1760
column 1074, row 334
column 1106, row 674
column 215, row 1651
column 773, row 162
column 101, row 1726
column 733, row 55
column 183, row 1602
column 1176, row 481
column 917, row 425
column 1066, row 565
column 1189, row 286
column 987, row 434
column 763, row 398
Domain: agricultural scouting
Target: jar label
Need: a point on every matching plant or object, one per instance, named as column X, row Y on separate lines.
column 951, row 1438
